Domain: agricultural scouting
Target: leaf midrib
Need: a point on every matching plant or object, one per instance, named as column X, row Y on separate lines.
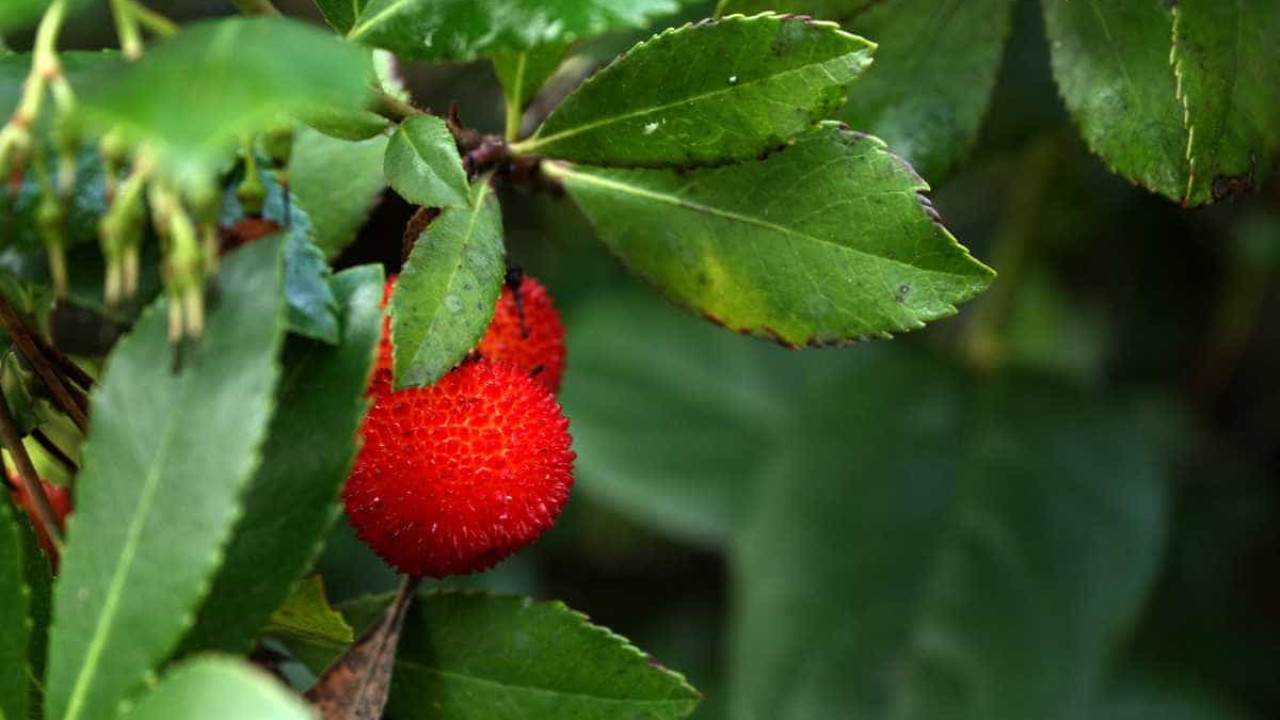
column 481, row 195
column 489, row 682
column 110, row 605
column 538, row 141
column 560, row 169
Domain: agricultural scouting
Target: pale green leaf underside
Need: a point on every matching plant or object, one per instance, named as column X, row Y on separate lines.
column 167, row 456
column 991, row 569
column 193, row 96
column 337, row 183
column 217, row 688
column 446, row 294
column 1226, row 56
column 422, row 164
column 311, row 307
column 706, row 94
column 825, row 242
column 486, row 657
column 460, row 30
column 293, row 499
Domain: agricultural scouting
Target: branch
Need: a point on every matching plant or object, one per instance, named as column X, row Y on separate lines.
column 27, row 474
column 17, row 330
column 392, row 107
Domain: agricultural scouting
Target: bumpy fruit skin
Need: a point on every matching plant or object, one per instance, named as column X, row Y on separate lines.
column 59, row 499
column 537, row 344
column 454, row 477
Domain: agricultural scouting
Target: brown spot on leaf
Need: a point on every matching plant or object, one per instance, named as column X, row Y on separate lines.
column 1230, row 187
column 246, row 231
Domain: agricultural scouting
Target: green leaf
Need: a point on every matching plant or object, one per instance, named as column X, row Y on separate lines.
column 825, row 242
column 673, row 420
column 446, row 294
column 35, row 586
column 461, row 30
column 1227, row 61
column 348, row 124
column 193, row 96
column 15, row 617
column 821, row 9
column 337, row 183
column 307, row 614
column 935, row 69
column 167, row 456
column 423, row 164
column 1111, row 61
column 293, row 500
column 522, row 75
column 215, row 688
column 947, row 532
column 707, row 94
column 487, row 657
column 20, row 13
column 306, row 287
column 25, row 580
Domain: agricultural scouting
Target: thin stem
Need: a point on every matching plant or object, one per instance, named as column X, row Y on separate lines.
column 392, row 107
column 65, row 364
column 45, row 68
column 27, row 474
column 515, row 111
column 152, row 20
column 54, row 451
column 44, row 64
column 255, row 7
column 17, row 330
column 127, row 29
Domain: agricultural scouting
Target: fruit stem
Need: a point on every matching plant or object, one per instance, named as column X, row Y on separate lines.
column 27, row 474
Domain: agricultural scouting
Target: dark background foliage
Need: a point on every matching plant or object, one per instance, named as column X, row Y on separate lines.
column 1156, row 317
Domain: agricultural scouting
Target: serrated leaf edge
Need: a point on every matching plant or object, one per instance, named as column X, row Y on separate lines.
column 524, row 602
column 815, row 114
column 1077, row 119
column 481, row 190
column 981, row 272
column 94, row 650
